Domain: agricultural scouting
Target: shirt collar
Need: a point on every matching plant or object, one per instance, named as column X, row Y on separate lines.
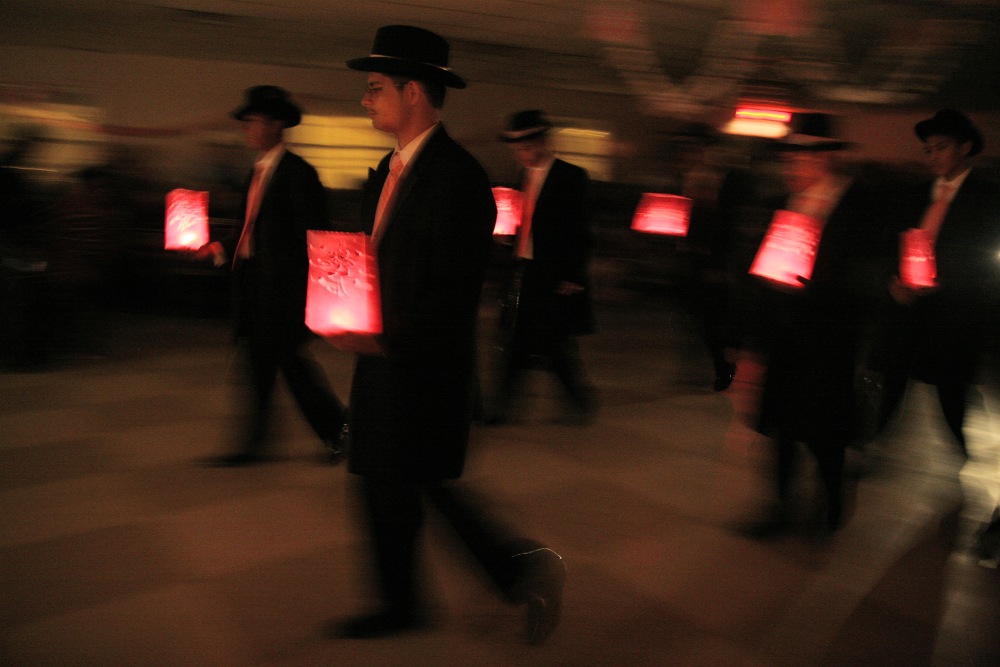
column 954, row 183
column 406, row 154
column 268, row 159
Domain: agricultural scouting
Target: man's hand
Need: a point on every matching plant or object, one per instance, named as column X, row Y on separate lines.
column 354, row 342
column 567, row 288
column 905, row 295
column 214, row 251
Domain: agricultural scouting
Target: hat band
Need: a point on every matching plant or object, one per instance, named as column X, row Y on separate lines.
column 520, row 134
column 408, row 60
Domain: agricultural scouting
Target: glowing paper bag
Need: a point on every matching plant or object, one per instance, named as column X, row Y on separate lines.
column 509, row 203
column 662, row 214
column 186, row 225
column 917, row 265
column 343, row 291
column 788, row 252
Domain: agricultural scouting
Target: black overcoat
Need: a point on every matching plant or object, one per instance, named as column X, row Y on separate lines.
column 814, row 338
column 561, row 251
column 270, row 289
column 411, row 407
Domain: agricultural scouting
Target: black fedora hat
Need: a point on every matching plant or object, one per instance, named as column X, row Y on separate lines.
column 812, row 131
column 525, row 125
column 403, row 50
column 272, row 102
column 951, row 123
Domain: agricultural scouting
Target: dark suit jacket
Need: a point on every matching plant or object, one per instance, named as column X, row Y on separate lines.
column 270, row 288
column 561, row 243
column 946, row 330
column 411, row 408
column 814, row 333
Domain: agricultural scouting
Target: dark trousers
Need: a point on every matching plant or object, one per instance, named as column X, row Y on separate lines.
column 394, row 514
column 830, row 464
column 946, row 355
column 306, row 381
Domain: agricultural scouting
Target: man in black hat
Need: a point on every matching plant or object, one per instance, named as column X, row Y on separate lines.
column 941, row 333
column 814, row 328
column 270, row 270
column 548, row 300
column 430, row 211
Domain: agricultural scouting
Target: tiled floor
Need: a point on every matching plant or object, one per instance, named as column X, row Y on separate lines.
column 116, row 549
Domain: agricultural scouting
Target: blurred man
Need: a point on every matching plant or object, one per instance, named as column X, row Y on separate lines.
column 813, row 344
column 430, row 211
column 940, row 333
column 270, row 270
column 549, row 298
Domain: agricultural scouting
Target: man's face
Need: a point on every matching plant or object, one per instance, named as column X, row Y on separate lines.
column 803, row 169
column 262, row 132
column 530, row 152
column 946, row 156
column 383, row 100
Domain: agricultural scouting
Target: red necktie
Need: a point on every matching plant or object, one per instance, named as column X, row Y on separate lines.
column 243, row 248
column 935, row 213
column 524, row 245
column 385, row 199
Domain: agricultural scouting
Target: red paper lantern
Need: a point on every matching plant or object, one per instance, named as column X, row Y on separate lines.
column 509, row 202
column 186, row 225
column 343, row 291
column 917, row 265
column 788, row 251
column 662, row 214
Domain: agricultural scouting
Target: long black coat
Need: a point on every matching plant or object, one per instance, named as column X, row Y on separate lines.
column 270, row 289
column 411, row 408
column 813, row 346
column 561, row 250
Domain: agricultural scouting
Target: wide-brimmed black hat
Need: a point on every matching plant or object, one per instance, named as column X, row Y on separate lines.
column 698, row 134
column 812, row 131
column 403, row 50
column 951, row 123
column 272, row 102
column 525, row 125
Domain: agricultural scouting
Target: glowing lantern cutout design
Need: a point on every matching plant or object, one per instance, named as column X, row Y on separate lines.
column 509, row 202
column 662, row 214
column 186, row 226
column 788, row 251
column 343, row 291
column 917, row 265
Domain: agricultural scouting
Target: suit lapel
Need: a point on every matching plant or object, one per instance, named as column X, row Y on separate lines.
column 413, row 175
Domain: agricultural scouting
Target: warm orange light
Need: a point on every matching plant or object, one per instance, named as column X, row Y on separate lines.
column 662, row 214
column 186, row 224
column 509, row 203
column 343, row 291
column 776, row 115
column 788, row 252
column 917, row 265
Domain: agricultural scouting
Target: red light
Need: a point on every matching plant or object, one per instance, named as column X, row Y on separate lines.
column 917, row 265
column 662, row 214
column 788, row 252
column 509, row 203
column 343, row 291
column 186, row 224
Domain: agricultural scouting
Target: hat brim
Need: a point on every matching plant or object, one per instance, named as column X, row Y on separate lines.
column 393, row 66
column 290, row 114
column 803, row 143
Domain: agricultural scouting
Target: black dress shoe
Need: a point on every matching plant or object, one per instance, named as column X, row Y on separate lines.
column 540, row 586
column 388, row 623
column 237, row 460
column 336, row 451
column 724, row 377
